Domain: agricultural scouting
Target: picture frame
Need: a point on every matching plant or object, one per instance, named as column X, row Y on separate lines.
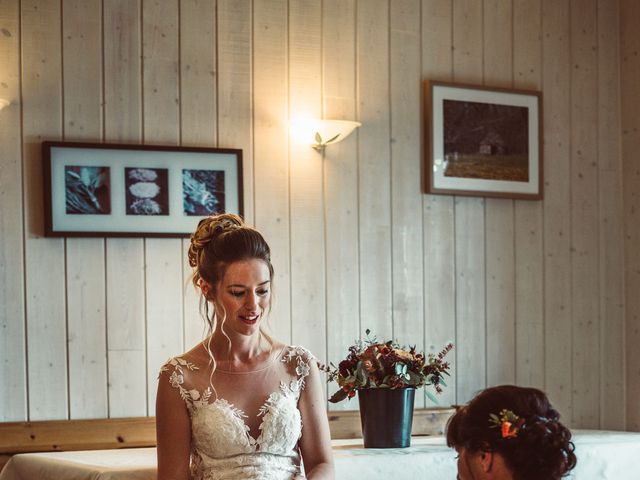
column 483, row 141
column 118, row 190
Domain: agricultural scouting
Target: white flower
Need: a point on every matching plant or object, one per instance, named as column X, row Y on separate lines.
column 143, row 174
column 145, row 206
column 176, row 380
column 144, row 190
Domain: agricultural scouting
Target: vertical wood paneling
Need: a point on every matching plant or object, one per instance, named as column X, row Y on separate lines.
column 126, row 329
column 198, row 74
column 612, row 401
column 308, row 316
column 163, row 257
column 122, row 86
column 271, row 167
column 340, row 184
column 163, row 279
column 438, row 215
column 530, row 292
column 528, row 215
column 469, row 222
column 584, row 215
column 556, row 207
column 198, row 127
column 235, row 88
column 126, row 343
column 13, row 369
column 630, row 72
column 406, row 204
column 44, row 257
column 86, row 336
column 160, row 63
column 500, row 255
column 470, row 299
column 374, row 167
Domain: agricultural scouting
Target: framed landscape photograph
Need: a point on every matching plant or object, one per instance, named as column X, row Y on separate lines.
column 483, row 141
column 94, row 189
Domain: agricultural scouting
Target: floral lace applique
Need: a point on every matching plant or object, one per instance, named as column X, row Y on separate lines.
column 193, row 398
column 303, row 359
column 222, row 444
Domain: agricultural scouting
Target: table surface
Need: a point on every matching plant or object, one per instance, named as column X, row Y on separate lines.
column 601, row 455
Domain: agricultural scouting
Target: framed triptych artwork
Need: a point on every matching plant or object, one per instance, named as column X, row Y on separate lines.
column 93, row 189
column 483, row 141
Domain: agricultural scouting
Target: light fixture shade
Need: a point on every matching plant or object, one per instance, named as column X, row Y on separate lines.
column 328, row 132
column 320, row 133
column 3, row 103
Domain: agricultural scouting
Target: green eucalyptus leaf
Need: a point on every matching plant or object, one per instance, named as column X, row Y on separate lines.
column 431, row 397
column 400, row 369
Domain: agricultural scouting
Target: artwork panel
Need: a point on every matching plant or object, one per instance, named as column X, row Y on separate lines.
column 87, row 190
column 146, row 191
column 203, row 192
column 134, row 190
column 483, row 141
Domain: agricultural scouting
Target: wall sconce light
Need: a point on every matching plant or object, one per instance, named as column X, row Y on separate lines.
column 320, row 133
column 4, row 103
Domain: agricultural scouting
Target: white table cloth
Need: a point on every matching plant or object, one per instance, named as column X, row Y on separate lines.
column 601, row 455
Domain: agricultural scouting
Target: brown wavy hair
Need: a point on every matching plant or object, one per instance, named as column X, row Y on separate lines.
column 542, row 450
column 219, row 241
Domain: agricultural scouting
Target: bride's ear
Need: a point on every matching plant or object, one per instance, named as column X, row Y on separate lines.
column 206, row 289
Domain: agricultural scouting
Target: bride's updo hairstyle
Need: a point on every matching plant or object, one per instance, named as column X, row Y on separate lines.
column 536, row 446
column 219, row 241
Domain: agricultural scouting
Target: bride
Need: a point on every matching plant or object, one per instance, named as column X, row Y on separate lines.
column 240, row 404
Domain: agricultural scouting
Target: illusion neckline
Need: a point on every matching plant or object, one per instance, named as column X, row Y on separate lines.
column 267, row 364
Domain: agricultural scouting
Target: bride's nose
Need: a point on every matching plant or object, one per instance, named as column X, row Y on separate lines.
column 251, row 301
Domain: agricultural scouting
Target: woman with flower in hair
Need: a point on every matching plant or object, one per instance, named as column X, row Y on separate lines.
column 240, row 404
column 510, row 433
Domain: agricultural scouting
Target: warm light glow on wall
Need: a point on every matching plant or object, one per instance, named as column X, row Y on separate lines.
column 3, row 103
column 320, row 133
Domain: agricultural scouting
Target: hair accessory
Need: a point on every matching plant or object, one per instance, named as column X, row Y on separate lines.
column 509, row 423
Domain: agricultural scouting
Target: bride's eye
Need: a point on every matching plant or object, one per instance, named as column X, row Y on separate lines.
column 236, row 293
column 262, row 292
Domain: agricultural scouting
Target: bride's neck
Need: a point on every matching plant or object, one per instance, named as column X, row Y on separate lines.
column 240, row 349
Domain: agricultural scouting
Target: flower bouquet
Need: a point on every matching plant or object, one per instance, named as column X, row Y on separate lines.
column 373, row 364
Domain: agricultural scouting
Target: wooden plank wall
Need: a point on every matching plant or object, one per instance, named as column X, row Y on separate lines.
column 530, row 292
column 630, row 72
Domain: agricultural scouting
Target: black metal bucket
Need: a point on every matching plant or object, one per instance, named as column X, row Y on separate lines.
column 386, row 416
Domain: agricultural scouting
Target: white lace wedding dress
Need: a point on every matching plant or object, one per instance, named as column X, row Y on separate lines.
column 222, row 443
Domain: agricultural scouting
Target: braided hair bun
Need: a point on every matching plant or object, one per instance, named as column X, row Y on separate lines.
column 538, row 448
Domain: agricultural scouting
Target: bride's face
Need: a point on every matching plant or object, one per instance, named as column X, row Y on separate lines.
column 243, row 296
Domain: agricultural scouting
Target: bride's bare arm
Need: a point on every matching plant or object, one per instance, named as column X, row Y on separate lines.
column 315, row 444
column 173, row 432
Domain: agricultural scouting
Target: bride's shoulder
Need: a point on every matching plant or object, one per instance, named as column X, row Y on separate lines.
column 297, row 351
column 185, row 363
column 299, row 359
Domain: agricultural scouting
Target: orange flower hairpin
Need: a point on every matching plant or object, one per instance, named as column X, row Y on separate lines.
column 509, row 423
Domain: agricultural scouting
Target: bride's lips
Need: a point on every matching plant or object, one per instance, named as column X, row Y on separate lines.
column 249, row 319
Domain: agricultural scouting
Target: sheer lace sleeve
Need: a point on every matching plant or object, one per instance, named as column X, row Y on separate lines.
column 176, row 369
column 299, row 359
